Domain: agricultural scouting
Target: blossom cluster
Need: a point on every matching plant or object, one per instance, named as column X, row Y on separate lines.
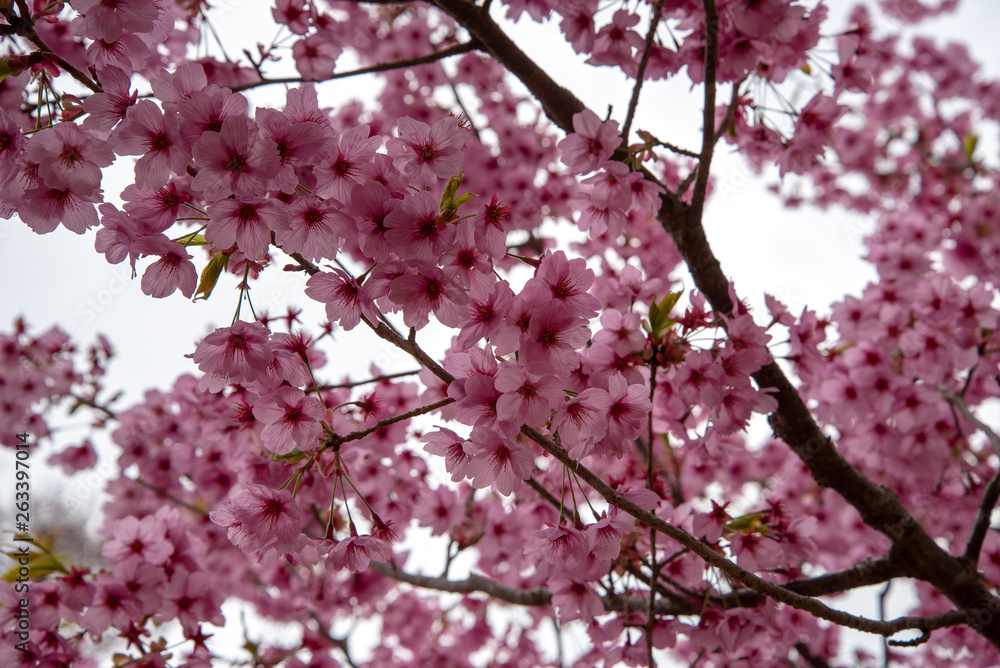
column 268, row 480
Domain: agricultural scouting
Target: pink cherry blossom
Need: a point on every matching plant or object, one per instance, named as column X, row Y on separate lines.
column 346, row 301
column 172, row 271
column 44, row 208
column 240, row 352
column 108, row 20
column 295, row 143
column 428, row 290
column 415, row 229
column 156, row 137
column 316, row 55
column 448, row 444
column 244, row 222
column 582, row 420
column 108, row 108
column 338, row 167
column 499, row 462
column 525, row 397
column 259, row 518
column 313, row 228
column 291, row 419
column 423, row 152
column 356, row 553
column 551, row 342
column 487, row 310
column 591, row 143
column 68, row 158
column 138, row 539
column 234, row 161
column 626, row 414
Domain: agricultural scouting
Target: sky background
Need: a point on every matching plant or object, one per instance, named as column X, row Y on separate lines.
column 802, row 256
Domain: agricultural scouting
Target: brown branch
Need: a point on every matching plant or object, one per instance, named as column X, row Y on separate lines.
column 454, row 50
column 23, row 26
column 867, row 573
column 540, row 596
column 474, row 583
column 732, row 570
column 708, row 113
column 356, row 435
column 559, row 104
column 982, row 523
column 654, row 23
column 367, row 381
column 881, row 509
column 992, row 493
column 410, row 346
column 730, row 115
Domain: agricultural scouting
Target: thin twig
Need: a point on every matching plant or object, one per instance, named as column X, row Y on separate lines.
column 992, row 492
column 380, row 67
column 376, row 379
column 641, row 73
column 958, row 403
column 881, row 615
column 982, row 523
column 356, row 435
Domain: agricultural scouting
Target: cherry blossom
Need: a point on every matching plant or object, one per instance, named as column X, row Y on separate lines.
column 592, row 143
column 291, row 420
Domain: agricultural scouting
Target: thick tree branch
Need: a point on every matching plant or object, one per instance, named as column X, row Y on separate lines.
column 559, row 104
column 982, row 523
column 870, row 572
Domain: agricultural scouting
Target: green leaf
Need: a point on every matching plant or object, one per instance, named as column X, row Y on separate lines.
column 448, row 196
column 749, row 523
column 449, row 202
column 193, row 239
column 210, row 276
column 659, row 315
column 969, row 145
column 40, row 564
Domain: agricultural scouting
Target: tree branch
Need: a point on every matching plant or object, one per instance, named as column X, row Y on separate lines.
column 881, row 509
column 992, row 493
column 356, row 435
column 376, row 379
column 559, row 104
column 540, row 596
column 454, row 50
column 384, row 332
column 654, row 23
column 708, row 113
column 735, row 572
column 23, row 27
